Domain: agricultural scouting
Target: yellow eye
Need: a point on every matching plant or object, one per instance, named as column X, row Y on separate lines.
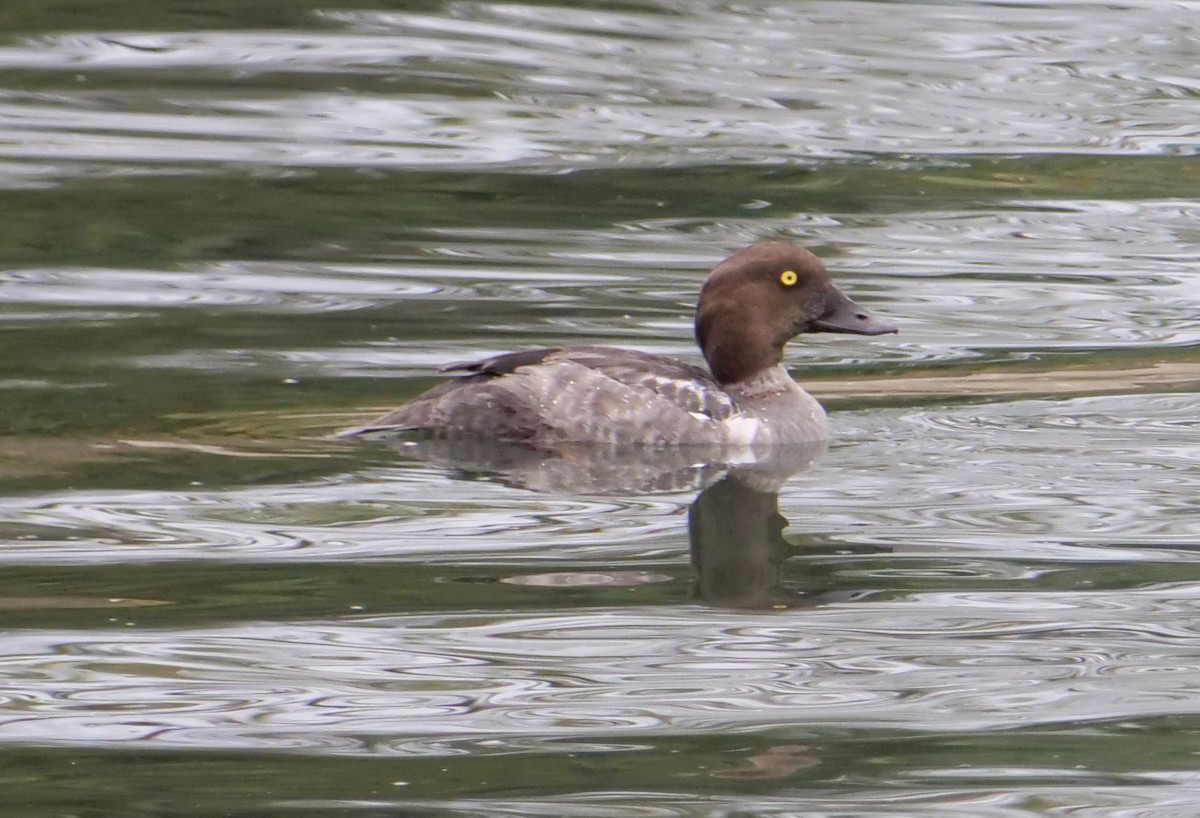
column 787, row 278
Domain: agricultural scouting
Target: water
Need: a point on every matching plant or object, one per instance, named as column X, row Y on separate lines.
column 229, row 231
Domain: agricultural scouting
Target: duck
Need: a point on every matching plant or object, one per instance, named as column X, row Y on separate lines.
column 749, row 306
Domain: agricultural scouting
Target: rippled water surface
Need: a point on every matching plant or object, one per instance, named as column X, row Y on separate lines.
column 233, row 228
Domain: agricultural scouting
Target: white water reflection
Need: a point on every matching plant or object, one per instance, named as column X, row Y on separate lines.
column 285, row 287
column 559, row 88
column 411, row 684
column 1153, row 794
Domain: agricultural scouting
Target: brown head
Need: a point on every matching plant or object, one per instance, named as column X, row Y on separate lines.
column 753, row 302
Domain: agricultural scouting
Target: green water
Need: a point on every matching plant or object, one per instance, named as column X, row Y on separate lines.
column 230, row 229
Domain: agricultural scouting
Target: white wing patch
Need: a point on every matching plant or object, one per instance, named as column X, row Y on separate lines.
column 742, row 430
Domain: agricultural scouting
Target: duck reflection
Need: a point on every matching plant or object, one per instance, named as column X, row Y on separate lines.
column 736, row 531
column 734, row 526
column 736, row 534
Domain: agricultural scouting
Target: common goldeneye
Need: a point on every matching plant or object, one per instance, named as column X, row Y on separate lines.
column 750, row 305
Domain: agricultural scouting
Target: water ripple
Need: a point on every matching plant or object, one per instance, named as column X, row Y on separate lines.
column 1073, row 792
column 928, row 663
column 562, row 88
column 404, row 512
column 1138, row 488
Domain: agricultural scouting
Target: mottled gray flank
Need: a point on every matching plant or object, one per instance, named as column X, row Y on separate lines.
column 618, row 397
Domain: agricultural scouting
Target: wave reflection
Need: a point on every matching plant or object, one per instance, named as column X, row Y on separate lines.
column 400, row 684
column 563, row 88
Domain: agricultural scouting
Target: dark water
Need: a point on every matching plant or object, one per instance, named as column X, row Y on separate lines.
column 230, row 228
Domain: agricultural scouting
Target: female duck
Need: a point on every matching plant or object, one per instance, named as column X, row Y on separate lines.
column 750, row 305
